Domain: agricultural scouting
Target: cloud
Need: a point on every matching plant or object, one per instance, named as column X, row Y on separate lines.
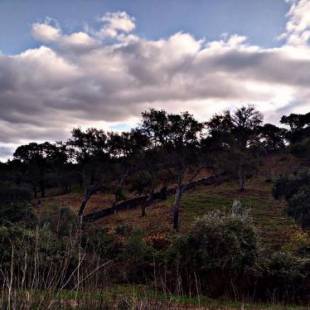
column 46, row 32
column 298, row 26
column 78, row 79
column 115, row 24
column 49, row 32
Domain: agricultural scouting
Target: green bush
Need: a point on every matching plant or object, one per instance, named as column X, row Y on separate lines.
column 218, row 248
column 138, row 258
column 296, row 190
column 218, row 241
column 39, row 247
column 15, row 206
column 287, row 186
column 61, row 221
column 299, row 207
column 284, row 278
column 18, row 212
column 99, row 242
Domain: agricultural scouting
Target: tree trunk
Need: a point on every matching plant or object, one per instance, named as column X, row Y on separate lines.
column 86, row 197
column 176, row 208
column 241, row 179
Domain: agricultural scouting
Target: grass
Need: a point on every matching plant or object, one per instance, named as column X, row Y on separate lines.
column 137, row 297
column 275, row 229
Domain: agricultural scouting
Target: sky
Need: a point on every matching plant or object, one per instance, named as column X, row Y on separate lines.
column 100, row 63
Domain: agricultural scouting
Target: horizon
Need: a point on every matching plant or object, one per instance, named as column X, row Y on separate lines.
column 101, row 63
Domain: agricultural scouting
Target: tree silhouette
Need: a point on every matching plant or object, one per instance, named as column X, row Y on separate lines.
column 176, row 137
column 235, row 138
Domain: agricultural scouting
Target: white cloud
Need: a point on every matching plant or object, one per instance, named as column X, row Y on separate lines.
column 298, row 25
column 115, row 24
column 49, row 34
column 45, row 32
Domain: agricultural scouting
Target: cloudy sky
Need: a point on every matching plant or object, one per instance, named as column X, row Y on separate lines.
column 101, row 63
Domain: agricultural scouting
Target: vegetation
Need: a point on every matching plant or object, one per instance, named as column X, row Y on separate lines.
column 199, row 213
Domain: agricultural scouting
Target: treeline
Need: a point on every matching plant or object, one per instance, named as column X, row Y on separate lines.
column 164, row 149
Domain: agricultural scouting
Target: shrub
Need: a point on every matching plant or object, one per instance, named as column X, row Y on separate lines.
column 223, row 242
column 218, row 248
column 36, row 256
column 99, row 242
column 285, row 277
column 61, row 221
column 123, row 229
column 138, row 258
column 12, row 194
column 18, row 212
column 299, row 207
column 287, row 186
column 296, row 190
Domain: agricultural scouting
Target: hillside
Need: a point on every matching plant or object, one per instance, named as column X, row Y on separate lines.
column 274, row 228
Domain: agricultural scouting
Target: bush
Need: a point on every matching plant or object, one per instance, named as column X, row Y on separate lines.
column 296, row 190
column 287, row 186
column 138, row 258
column 11, row 194
column 15, row 205
column 18, row 212
column 98, row 242
column 123, row 229
column 61, row 221
column 35, row 255
column 218, row 249
column 299, row 207
column 284, row 278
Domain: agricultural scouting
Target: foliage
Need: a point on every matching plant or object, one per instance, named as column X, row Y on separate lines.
column 299, row 206
column 218, row 245
column 17, row 213
column 61, row 221
column 138, row 258
column 236, row 138
column 12, row 194
column 284, row 277
column 99, row 242
column 296, row 190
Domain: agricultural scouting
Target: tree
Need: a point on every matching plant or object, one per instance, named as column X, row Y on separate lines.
column 126, row 150
column 177, row 138
column 36, row 159
column 90, row 151
column 299, row 126
column 272, row 138
column 299, row 134
column 149, row 176
column 235, row 140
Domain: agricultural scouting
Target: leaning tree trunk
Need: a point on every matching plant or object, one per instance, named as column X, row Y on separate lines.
column 176, row 208
column 88, row 194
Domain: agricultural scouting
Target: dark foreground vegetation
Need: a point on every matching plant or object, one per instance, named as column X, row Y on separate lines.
column 221, row 212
